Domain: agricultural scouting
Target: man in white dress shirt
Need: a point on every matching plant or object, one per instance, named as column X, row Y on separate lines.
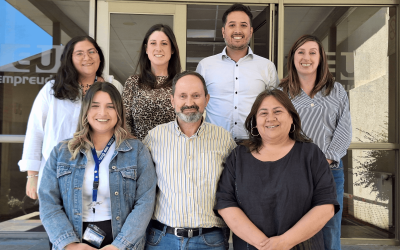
column 236, row 76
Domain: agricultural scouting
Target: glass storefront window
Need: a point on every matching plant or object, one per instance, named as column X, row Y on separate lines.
column 361, row 56
column 127, row 33
column 366, row 66
column 14, row 202
column 32, row 36
column 369, row 194
column 204, row 35
column 360, row 46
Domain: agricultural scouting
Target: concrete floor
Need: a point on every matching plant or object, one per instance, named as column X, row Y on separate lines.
column 43, row 244
column 30, row 223
column 363, row 247
column 24, row 244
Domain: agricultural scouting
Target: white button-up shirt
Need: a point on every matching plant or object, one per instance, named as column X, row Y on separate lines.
column 188, row 171
column 233, row 88
column 51, row 120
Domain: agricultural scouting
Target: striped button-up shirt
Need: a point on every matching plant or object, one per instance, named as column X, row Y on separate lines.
column 188, row 171
column 326, row 120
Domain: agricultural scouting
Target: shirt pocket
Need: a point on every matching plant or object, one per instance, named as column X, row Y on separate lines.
column 209, row 170
column 129, row 177
column 64, row 175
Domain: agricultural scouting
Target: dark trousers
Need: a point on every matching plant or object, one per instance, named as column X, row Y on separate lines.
column 227, row 233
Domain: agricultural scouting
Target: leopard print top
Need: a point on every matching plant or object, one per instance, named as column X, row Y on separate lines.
column 146, row 108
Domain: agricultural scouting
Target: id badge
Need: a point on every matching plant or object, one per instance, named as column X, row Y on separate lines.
column 94, row 235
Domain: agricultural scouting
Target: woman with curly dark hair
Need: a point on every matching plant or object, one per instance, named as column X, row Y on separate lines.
column 54, row 115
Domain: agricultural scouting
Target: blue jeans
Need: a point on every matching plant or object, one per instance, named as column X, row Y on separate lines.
column 156, row 239
column 331, row 230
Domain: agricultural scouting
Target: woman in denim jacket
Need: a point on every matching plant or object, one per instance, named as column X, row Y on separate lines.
column 102, row 178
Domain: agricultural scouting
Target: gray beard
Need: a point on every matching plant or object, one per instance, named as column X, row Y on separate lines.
column 190, row 118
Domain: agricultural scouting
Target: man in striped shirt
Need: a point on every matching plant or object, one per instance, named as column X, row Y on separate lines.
column 188, row 154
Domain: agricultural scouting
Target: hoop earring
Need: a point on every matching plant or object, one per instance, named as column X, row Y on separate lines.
column 251, row 131
column 294, row 128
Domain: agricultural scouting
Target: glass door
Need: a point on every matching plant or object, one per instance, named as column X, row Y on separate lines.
column 121, row 27
column 204, row 31
column 361, row 47
column 32, row 38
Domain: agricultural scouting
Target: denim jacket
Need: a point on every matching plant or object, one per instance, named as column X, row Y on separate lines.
column 132, row 188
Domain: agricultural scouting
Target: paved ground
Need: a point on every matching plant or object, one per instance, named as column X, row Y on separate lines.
column 43, row 244
column 24, row 244
column 369, row 247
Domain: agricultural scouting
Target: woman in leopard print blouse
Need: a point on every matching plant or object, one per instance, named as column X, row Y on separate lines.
column 146, row 96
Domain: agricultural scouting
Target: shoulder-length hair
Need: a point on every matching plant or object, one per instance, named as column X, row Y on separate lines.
column 291, row 83
column 255, row 141
column 82, row 137
column 66, row 85
column 143, row 67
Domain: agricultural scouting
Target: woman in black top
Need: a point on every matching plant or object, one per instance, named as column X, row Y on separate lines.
column 276, row 190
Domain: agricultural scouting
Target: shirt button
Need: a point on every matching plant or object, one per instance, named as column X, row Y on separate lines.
column 235, row 138
column 114, row 167
column 235, row 92
column 235, row 123
column 237, row 65
column 236, row 78
column 235, row 107
column 116, row 193
column 117, row 218
column 312, row 104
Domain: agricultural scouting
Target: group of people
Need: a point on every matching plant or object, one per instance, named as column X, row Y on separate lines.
column 144, row 167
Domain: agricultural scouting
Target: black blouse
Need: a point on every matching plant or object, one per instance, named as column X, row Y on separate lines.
column 276, row 195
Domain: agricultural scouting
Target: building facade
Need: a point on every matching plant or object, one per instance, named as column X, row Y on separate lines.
column 361, row 38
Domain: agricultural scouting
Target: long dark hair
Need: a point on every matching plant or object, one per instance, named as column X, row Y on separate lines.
column 66, row 85
column 82, row 137
column 255, row 142
column 146, row 77
column 291, row 83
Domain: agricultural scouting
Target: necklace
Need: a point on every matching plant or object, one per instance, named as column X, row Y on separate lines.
column 86, row 87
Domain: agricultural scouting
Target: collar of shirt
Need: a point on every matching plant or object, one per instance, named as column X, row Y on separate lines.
column 198, row 132
column 307, row 100
column 249, row 52
column 125, row 146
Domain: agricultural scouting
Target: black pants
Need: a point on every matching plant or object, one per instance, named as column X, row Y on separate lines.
column 227, row 233
column 105, row 226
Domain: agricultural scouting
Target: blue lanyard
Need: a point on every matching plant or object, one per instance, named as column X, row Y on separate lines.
column 97, row 162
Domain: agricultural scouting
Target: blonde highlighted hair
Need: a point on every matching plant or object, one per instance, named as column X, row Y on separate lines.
column 82, row 137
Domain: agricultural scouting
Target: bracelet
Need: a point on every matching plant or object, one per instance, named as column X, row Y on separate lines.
column 30, row 176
